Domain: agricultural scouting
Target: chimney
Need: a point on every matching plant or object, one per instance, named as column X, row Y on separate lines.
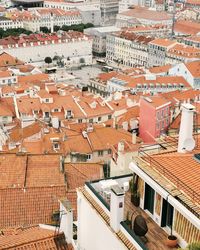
column 134, row 138
column 185, row 140
column 121, row 146
column 116, row 207
column 52, row 22
column 66, row 219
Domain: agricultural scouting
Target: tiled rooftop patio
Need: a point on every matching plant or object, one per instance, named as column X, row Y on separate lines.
column 156, row 237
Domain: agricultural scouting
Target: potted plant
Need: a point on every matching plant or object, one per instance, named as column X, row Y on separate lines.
column 135, row 195
column 128, row 221
column 136, row 198
column 171, row 240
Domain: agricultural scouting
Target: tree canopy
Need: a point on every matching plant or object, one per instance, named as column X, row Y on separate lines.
column 13, row 32
column 48, row 60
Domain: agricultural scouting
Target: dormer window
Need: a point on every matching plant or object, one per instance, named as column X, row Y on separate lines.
column 69, row 112
column 46, row 100
column 56, row 146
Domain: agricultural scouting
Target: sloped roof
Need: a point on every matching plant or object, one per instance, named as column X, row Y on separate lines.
column 33, row 238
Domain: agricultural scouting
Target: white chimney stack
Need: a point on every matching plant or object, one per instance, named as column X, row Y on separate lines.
column 134, row 138
column 116, row 207
column 186, row 141
column 52, row 22
column 121, row 146
column 66, row 219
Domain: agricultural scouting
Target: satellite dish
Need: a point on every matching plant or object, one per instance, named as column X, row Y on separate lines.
column 189, row 144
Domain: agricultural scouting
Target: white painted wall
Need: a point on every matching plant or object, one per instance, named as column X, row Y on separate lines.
column 181, row 70
column 75, row 49
column 93, row 233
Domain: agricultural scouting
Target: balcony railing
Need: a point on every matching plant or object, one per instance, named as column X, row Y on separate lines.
column 180, row 184
column 133, row 235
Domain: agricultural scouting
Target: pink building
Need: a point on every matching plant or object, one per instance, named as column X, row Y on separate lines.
column 154, row 117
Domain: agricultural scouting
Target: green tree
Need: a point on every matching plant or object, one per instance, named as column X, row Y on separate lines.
column 56, row 28
column 48, row 60
column 44, row 30
column 192, row 246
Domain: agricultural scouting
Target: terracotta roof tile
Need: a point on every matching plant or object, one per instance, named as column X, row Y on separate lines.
column 33, row 238
column 8, row 60
column 18, row 134
column 78, row 173
column 183, row 167
column 33, row 205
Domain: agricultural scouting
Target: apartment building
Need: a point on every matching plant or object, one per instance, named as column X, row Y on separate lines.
column 35, row 18
column 7, row 23
column 194, row 4
column 109, row 11
column 190, row 71
column 34, row 48
column 157, row 50
column 69, row 5
column 90, row 10
column 127, row 48
column 154, row 117
column 99, row 38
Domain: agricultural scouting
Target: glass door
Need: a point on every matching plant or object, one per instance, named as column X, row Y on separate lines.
column 149, row 198
column 167, row 214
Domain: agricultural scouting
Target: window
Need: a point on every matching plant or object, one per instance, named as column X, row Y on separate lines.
column 100, row 153
column 89, row 157
column 46, row 114
column 158, row 115
column 79, row 120
column 90, row 120
column 46, row 100
column 109, row 117
column 99, row 119
column 56, row 146
column 55, row 110
column 69, row 112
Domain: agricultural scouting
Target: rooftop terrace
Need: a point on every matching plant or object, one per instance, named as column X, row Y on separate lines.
column 155, row 237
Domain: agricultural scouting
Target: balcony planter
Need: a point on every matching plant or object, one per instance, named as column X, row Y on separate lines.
column 135, row 199
column 135, row 195
column 171, row 241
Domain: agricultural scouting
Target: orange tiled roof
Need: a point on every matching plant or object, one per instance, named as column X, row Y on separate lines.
column 181, row 166
column 106, row 76
column 32, row 238
column 163, row 42
column 194, row 68
column 18, row 134
column 34, row 78
column 7, row 60
column 145, row 13
column 33, row 205
column 6, row 107
column 160, row 69
column 187, row 27
column 130, row 114
column 196, row 2
column 156, row 101
column 177, row 95
column 30, row 189
column 177, row 80
column 104, row 138
column 79, row 173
